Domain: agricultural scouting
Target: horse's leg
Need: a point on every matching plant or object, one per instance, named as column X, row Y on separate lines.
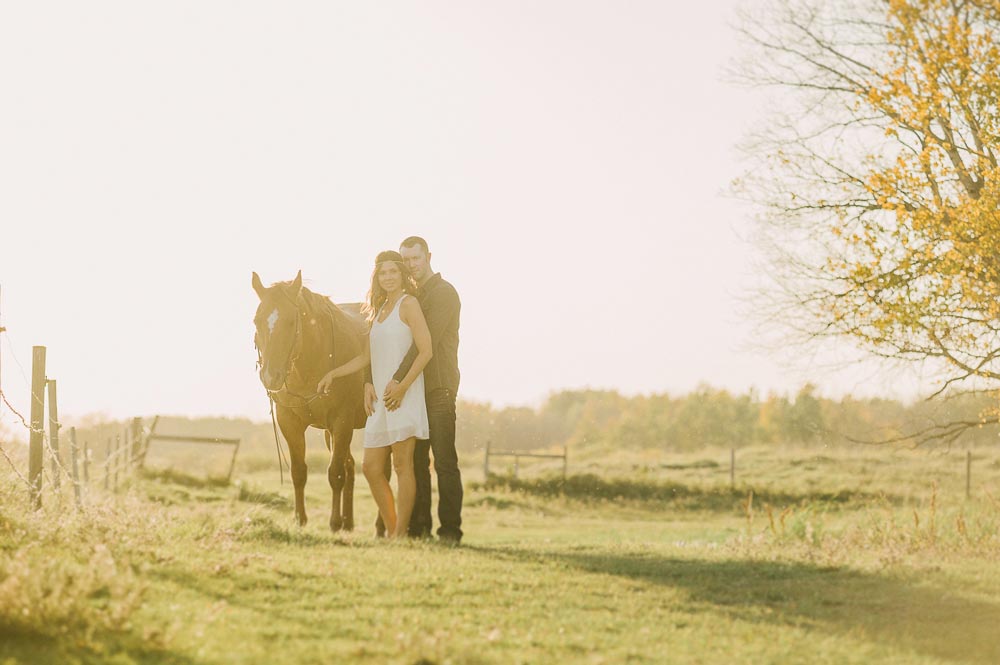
column 336, row 473
column 348, row 506
column 332, row 476
column 379, row 524
column 295, row 434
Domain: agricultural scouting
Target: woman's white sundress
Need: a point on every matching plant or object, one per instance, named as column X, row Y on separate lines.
column 390, row 340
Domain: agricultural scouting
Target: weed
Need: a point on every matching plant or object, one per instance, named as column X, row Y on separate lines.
column 74, row 575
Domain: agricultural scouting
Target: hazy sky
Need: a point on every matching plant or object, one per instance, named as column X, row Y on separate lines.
column 567, row 161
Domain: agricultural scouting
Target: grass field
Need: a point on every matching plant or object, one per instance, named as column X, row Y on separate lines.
column 840, row 557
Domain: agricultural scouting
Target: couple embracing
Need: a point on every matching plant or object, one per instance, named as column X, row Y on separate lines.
column 411, row 369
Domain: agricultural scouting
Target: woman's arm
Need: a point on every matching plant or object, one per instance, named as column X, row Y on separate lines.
column 355, row 364
column 413, row 316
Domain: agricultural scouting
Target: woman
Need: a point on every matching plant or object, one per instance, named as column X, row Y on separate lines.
column 395, row 322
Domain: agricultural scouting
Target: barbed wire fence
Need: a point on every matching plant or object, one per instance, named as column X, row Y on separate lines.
column 122, row 457
column 10, row 407
column 53, row 467
column 119, row 460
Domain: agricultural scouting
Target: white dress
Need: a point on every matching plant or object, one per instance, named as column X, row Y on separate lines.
column 390, row 340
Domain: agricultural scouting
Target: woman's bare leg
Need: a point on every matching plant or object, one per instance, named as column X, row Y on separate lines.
column 402, row 462
column 374, row 467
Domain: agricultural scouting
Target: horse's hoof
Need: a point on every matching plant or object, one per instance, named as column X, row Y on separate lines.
column 348, row 525
column 302, row 520
column 336, row 525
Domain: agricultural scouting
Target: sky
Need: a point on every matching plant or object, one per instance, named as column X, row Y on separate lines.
column 567, row 161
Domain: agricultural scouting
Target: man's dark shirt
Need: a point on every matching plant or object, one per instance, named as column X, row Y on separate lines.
column 441, row 306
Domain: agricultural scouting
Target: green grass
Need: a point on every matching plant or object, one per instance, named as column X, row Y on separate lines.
column 847, row 557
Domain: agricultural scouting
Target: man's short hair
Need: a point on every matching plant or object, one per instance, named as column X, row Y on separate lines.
column 413, row 241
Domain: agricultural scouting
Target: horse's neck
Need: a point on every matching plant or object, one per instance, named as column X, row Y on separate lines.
column 316, row 356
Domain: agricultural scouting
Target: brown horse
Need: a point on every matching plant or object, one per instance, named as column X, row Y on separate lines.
column 300, row 337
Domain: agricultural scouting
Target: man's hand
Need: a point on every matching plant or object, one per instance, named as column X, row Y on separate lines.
column 370, row 398
column 393, row 396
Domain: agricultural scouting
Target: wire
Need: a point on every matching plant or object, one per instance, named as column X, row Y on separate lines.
column 13, row 467
column 17, row 362
column 24, row 422
column 2, row 330
column 24, row 376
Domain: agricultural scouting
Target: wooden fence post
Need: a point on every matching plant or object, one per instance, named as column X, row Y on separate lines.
column 232, row 462
column 54, row 435
column 86, row 463
column 145, row 442
column 74, row 466
column 135, row 434
column 107, row 465
column 732, row 468
column 35, row 458
column 486, row 462
column 117, row 454
column 127, row 450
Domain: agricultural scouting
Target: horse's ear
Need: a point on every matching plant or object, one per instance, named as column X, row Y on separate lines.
column 297, row 284
column 258, row 286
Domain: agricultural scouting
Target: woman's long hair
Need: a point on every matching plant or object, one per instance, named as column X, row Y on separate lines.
column 376, row 294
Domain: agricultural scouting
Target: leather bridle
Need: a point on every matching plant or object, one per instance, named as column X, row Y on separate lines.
column 293, row 352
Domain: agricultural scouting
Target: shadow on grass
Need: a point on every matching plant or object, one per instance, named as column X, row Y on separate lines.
column 263, row 529
column 884, row 609
column 249, row 494
column 503, row 503
column 698, row 464
column 19, row 647
column 186, row 480
column 589, row 487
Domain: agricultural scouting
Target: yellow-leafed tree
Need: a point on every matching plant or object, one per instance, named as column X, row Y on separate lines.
column 878, row 178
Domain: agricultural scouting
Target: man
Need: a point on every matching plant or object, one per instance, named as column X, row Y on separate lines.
column 441, row 305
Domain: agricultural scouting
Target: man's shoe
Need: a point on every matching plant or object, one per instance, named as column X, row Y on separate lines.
column 450, row 539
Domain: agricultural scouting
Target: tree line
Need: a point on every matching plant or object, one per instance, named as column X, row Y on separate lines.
column 716, row 417
column 607, row 419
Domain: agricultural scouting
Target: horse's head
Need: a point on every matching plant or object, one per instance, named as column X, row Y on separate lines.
column 279, row 329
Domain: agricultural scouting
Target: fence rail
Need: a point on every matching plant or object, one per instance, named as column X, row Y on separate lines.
column 517, row 455
column 213, row 440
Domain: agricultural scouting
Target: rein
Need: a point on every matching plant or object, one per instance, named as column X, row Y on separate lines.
column 274, row 424
column 277, row 446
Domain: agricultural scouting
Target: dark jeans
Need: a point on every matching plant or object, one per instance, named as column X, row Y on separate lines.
column 441, row 418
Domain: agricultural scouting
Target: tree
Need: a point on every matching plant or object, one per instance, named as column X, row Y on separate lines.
column 806, row 416
column 879, row 182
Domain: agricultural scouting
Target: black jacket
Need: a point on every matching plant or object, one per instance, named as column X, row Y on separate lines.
column 442, row 307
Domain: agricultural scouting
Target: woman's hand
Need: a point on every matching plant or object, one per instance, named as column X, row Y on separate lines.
column 355, row 364
column 370, row 398
column 323, row 387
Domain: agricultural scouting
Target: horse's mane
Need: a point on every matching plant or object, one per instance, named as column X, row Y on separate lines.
column 344, row 324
